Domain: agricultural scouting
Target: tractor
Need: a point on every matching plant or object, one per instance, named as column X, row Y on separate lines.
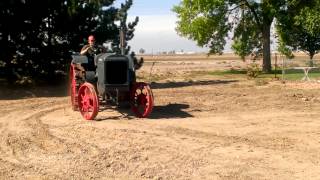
column 108, row 81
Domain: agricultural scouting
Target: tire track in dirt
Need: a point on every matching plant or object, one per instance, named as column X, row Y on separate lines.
column 151, row 155
column 40, row 137
column 9, row 170
column 36, row 143
column 9, row 108
column 285, row 146
column 129, row 150
column 19, row 147
column 18, row 143
column 25, row 113
column 13, row 119
column 279, row 143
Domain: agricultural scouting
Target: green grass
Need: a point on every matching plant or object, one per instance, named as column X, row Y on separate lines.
column 290, row 74
column 228, row 72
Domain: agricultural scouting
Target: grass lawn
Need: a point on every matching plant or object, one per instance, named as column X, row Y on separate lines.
column 290, row 74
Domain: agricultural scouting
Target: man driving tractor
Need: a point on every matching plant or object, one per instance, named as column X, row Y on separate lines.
column 91, row 50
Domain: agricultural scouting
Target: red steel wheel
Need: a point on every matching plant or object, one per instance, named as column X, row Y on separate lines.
column 72, row 88
column 88, row 101
column 141, row 98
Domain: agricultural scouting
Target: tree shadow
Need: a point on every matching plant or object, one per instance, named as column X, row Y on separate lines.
column 165, row 85
column 20, row 92
column 11, row 92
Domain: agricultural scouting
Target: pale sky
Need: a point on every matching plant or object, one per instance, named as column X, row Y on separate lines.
column 155, row 31
column 156, row 28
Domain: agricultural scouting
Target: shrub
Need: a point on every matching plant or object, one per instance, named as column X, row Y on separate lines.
column 253, row 70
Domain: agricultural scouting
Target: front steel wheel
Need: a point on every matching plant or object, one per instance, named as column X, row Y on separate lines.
column 141, row 99
column 88, row 101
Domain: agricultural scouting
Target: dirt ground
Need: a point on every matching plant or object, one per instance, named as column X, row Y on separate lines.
column 202, row 127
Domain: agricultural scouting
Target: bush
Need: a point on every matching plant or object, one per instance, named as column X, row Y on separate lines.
column 253, row 70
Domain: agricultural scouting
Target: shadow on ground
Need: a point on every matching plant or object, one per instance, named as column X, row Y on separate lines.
column 168, row 111
column 21, row 92
column 61, row 90
column 165, row 85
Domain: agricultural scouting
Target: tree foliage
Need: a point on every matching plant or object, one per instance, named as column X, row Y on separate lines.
column 209, row 23
column 298, row 27
column 36, row 37
column 246, row 40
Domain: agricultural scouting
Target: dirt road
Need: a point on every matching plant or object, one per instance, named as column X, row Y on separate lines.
column 204, row 127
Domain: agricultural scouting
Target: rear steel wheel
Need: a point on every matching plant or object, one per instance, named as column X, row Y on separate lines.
column 141, row 99
column 73, row 89
column 88, row 101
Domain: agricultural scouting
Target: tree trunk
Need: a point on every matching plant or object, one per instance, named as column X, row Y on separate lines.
column 311, row 59
column 266, row 65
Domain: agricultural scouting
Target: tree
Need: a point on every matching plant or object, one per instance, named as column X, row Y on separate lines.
column 299, row 27
column 37, row 41
column 142, row 51
column 210, row 22
column 127, row 28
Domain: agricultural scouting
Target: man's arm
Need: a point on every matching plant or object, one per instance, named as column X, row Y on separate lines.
column 84, row 50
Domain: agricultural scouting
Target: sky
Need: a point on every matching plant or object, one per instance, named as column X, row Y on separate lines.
column 155, row 31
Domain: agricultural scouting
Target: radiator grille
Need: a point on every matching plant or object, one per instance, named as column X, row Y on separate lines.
column 116, row 72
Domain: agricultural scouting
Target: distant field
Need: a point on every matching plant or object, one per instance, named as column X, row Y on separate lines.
column 190, row 57
column 225, row 56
